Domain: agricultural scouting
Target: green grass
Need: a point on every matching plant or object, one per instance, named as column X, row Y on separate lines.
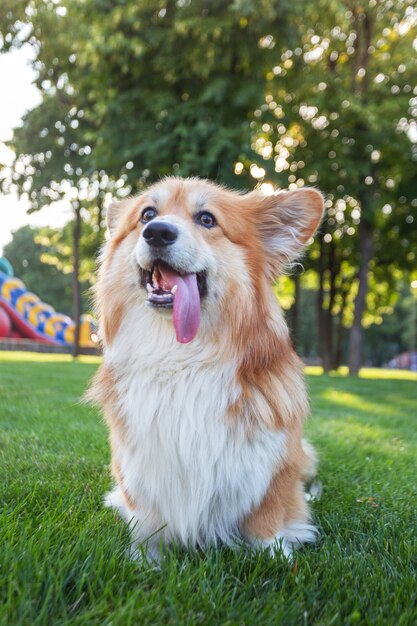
column 62, row 555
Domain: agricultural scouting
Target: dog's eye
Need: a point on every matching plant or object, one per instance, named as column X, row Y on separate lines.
column 206, row 219
column 148, row 214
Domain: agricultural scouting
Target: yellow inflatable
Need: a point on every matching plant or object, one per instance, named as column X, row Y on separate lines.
column 39, row 313
column 9, row 286
column 25, row 302
column 34, row 319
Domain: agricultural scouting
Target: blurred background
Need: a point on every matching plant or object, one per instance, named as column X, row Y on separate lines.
column 103, row 97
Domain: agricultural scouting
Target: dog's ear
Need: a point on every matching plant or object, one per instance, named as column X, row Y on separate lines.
column 286, row 221
column 115, row 212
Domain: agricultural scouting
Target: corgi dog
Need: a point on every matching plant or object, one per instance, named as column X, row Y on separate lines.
column 201, row 389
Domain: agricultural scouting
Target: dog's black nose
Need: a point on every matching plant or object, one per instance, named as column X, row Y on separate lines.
column 160, row 234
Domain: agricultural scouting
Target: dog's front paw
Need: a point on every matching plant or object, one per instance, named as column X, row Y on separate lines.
column 289, row 539
column 114, row 499
column 146, row 553
column 292, row 537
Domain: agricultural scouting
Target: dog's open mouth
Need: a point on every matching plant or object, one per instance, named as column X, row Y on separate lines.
column 170, row 288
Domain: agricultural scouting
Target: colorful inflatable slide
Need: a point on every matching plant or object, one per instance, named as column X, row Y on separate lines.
column 24, row 315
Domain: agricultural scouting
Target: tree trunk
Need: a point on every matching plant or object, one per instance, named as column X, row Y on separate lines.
column 76, row 295
column 322, row 313
column 327, row 347
column 364, row 35
column 100, row 205
column 333, row 270
column 356, row 332
column 340, row 330
column 99, row 211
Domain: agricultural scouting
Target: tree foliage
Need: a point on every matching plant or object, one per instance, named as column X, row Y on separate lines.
column 288, row 93
column 30, row 254
column 340, row 113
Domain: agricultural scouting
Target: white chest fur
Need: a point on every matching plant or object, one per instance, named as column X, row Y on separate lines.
column 191, row 468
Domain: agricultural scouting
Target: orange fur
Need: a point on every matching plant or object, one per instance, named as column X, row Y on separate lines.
column 253, row 333
column 284, row 500
column 118, row 476
column 102, row 391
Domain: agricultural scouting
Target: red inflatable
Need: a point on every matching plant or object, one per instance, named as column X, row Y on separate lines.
column 5, row 324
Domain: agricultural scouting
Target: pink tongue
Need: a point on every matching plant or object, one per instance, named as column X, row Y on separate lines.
column 186, row 304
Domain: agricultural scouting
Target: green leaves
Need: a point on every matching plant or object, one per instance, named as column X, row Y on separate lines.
column 295, row 93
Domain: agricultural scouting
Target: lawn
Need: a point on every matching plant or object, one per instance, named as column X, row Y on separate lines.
column 62, row 555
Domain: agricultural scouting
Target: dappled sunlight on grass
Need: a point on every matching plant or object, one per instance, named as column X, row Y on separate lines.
column 41, row 357
column 372, row 373
column 310, row 370
column 354, row 401
column 313, row 370
column 363, row 426
column 353, row 432
column 382, row 374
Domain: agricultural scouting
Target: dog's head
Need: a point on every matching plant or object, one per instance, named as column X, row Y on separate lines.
column 197, row 250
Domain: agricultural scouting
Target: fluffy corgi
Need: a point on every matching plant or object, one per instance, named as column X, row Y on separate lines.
column 201, row 389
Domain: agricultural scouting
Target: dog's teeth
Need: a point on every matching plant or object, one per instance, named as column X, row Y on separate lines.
column 174, row 289
column 149, row 288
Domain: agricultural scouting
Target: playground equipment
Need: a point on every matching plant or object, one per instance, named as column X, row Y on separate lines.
column 24, row 315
